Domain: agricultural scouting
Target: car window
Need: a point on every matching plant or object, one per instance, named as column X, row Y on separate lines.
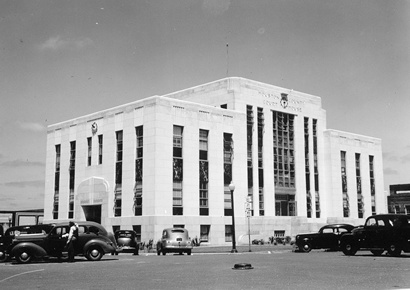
column 125, row 235
column 58, row 231
column 381, row 223
column 94, row 230
column 371, row 222
column 343, row 230
column 164, row 234
column 81, row 229
column 328, row 231
column 178, row 231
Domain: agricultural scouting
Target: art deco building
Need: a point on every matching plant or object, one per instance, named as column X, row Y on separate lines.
column 168, row 161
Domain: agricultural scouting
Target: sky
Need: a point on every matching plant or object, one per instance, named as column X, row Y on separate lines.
column 62, row 59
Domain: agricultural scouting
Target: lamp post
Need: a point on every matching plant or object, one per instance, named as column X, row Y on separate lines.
column 232, row 188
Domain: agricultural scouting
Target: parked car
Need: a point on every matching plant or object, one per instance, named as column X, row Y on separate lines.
column 36, row 231
column 174, row 240
column 127, row 241
column 383, row 232
column 25, row 243
column 328, row 237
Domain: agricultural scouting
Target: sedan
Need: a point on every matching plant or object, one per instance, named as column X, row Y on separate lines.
column 174, row 240
column 127, row 241
column 328, row 237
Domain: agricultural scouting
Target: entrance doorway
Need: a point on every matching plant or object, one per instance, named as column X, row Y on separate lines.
column 92, row 213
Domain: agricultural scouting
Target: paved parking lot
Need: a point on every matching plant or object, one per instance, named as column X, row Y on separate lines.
column 272, row 269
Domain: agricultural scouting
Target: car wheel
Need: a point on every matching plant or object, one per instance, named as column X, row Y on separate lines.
column 24, row 257
column 188, row 252
column 3, row 257
column 394, row 250
column 164, row 252
column 306, row 247
column 349, row 248
column 94, row 253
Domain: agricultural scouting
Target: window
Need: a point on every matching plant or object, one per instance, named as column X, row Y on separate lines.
column 360, row 203
column 100, row 149
column 72, row 179
column 261, row 125
column 177, row 203
column 372, row 184
column 307, row 169
column 346, row 205
column 249, row 133
column 90, row 147
column 138, row 171
column 137, row 230
column 203, row 173
column 228, row 155
column 228, row 233
column 56, row 181
column 204, row 233
column 118, row 174
column 284, row 163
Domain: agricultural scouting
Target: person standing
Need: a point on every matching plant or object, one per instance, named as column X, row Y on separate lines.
column 72, row 240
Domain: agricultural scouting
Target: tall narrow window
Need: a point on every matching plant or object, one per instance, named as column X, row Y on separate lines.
column 118, row 174
column 72, row 179
column 203, row 173
column 56, row 182
column 261, row 125
column 228, row 154
column 204, row 233
column 360, row 203
column 100, row 149
column 372, row 184
column 316, row 168
column 137, row 230
column 284, row 163
column 307, row 169
column 346, row 205
column 177, row 168
column 139, row 132
column 249, row 133
column 228, row 233
column 89, row 151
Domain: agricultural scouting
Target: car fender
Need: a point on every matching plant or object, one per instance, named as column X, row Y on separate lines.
column 35, row 249
column 107, row 248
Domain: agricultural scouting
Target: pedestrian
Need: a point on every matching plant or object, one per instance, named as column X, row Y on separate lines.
column 72, row 240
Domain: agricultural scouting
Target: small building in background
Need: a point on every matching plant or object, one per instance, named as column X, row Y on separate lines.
column 399, row 199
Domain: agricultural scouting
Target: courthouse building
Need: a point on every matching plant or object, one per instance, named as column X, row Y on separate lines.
column 168, row 160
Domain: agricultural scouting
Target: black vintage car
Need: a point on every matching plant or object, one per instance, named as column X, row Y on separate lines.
column 25, row 243
column 328, row 237
column 127, row 241
column 383, row 232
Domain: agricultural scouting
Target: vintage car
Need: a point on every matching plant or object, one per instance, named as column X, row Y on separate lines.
column 127, row 241
column 174, row 240
column 328, row 237
column 383, row 232
column 25, row 243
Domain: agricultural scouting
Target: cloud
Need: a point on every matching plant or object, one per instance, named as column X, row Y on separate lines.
column 21, row 163
column 22, row 184
column 390, row 156
column 216, row 7
column 31, row 126
column 57, row 42
column 405, row 158
column 389, row 171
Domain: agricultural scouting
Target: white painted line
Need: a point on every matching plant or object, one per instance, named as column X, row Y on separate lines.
column 20, row 274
